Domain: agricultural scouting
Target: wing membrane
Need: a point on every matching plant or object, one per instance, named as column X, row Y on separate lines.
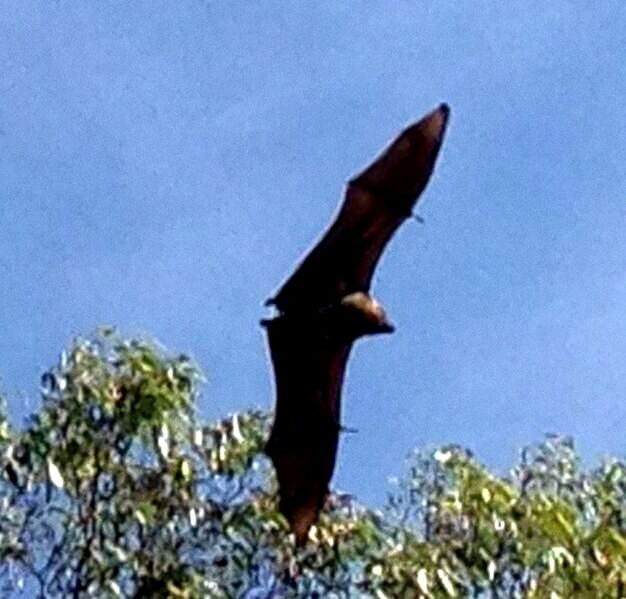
column 309, row 368
column 377, row 202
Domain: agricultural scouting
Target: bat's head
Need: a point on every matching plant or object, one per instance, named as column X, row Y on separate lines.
column 368, row 316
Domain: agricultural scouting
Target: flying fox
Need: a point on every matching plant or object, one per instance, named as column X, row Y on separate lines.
column 325, row 306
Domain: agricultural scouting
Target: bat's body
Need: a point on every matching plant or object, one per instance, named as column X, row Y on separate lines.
column 325, row 306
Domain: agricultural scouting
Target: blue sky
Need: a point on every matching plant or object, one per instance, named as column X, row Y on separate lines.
column 165, row 165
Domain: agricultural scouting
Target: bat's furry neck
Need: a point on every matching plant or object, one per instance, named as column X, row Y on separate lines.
column 356, row 315
column 365, row 314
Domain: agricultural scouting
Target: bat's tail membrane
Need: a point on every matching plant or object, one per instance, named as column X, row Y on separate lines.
column 402, row 172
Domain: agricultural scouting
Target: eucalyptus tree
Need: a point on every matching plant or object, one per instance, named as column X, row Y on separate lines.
column 116, row 488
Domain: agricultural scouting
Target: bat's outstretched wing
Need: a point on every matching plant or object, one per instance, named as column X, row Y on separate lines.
column 309, row 364
column 377, row 202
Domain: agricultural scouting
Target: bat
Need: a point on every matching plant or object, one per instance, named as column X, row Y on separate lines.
column 325, row 306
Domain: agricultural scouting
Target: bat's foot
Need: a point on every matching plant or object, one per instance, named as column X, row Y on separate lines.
column 265, row 322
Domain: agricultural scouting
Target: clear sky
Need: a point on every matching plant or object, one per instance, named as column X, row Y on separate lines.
column 164, row 165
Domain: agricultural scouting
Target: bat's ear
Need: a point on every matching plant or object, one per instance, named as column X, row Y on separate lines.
column 401, row 173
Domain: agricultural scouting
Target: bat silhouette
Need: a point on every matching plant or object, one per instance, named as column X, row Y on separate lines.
column 325, row 306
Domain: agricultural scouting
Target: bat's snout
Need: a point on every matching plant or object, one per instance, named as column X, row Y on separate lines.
column 387, row 327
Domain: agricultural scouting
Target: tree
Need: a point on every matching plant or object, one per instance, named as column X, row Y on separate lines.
column 116, row 489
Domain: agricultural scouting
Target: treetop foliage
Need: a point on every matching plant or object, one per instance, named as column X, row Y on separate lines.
column 115, row 488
